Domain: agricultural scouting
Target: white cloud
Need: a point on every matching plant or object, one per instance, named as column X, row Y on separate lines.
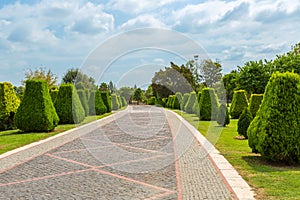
column 142, row 21
column 137, row 6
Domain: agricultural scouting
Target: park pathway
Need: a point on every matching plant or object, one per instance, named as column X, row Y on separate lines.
column 142, row 152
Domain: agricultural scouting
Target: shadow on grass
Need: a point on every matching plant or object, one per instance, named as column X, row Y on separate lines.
column 260, row 164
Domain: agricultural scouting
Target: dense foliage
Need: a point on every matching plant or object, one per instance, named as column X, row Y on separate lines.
column 190, row 103
column 106, row 100
column 223, row 118
column 244, row 122
column 68, row 105
column 185, row 99
column 255, row 101
column 114, row 102
column 239, row 103
column 9, row 103
column 84, row 101
column 100, row 107
column 36, row 111
column 275, row 131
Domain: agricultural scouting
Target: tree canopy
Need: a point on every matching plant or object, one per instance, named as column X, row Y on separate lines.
column 79, row 79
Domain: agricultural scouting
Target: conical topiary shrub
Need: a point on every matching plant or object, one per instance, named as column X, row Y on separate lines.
column 106, row 100
column 9, row 103
column 223, row 118
column 255, row 101
column 190, row 103
column 99, row 104
column 177, row 100
column 244, row 122
column 114, row 102
column 275, row 131
column 185, row 99
column 124, row 102
column 68, row 105
column 239, row 103
column 209, row 104
column 36, row 111
column 84, row 101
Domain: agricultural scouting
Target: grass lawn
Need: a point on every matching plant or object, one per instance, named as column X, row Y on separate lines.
column 13, row 139
column 269, row 180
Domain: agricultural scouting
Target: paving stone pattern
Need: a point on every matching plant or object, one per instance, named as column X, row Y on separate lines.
column 131, row 157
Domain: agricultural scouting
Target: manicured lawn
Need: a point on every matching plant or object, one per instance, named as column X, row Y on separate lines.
column 13, row 139
column 269, row 180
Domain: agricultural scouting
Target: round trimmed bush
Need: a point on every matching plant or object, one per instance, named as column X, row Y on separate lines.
column 185, row 99
column 84, row 101
column 255, row 101
column 223, row 118
column 114, row 102
column 68, row 105
column 106, row 100
column 9, row 103
column 239, row 103
column 36, row 111
column 209, row 105
column 244, row 122
column 275, row 131
column 190, row 103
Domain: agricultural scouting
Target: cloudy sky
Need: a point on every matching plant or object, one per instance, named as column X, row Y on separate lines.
column 60, row 35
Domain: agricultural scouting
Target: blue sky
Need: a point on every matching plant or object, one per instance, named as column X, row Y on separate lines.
column 63, row 34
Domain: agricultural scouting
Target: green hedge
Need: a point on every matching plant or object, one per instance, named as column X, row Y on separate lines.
column 239, row 103
column 255, row 101
column 114, row 102
column 209, row 104
column 68, row 105
column 124, row 102
column 185, row 99
column 106, row 100
column 119, row 101
column 244, row 122
column 36, row 111
column 275, row 131
column 84, row 101
column 223, row 118
column 190, row 103
column 151, row 101
column 53, row 94
column 9, row 103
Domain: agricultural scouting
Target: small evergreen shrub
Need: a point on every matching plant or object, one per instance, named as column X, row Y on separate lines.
column 114, row 102
column 244, row 122
column 239, row 103
column 106, row 100
column 151, row 101
column 275, row 131
column 223, row 118
column 92, row 110
column 209, row 104
column 185, row 99
column 255, row 101
column 119, row 101
column 9, row 103
column 83, row 101
column 36, row 111
column 100, row 107
column 190, row 103
column 68, row 105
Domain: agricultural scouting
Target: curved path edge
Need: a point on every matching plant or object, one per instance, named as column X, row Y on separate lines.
column 25, row 153
column 231, row 177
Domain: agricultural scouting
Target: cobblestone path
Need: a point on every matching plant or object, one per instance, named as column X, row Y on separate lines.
column 136, row 156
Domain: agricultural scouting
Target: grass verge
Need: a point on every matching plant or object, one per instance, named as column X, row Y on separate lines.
column 13, row 139
column 269, row 180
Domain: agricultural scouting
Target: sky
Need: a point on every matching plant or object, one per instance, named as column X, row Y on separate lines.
column 126, row 41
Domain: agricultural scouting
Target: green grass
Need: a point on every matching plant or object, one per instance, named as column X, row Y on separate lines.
column 269, row 180
column 13, row 139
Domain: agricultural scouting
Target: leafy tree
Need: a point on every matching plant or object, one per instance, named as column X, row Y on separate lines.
column 223, row 118
column 103, row 87
column 75, row 76
column 41, row 74
column 112, row 88
column 138, row 95
column 253, row 77
column 211, row 72
column 230, row 84
column 19, row 91
column 9, row 103
column 275, row 131
column 126, row 92
column 36, row 111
